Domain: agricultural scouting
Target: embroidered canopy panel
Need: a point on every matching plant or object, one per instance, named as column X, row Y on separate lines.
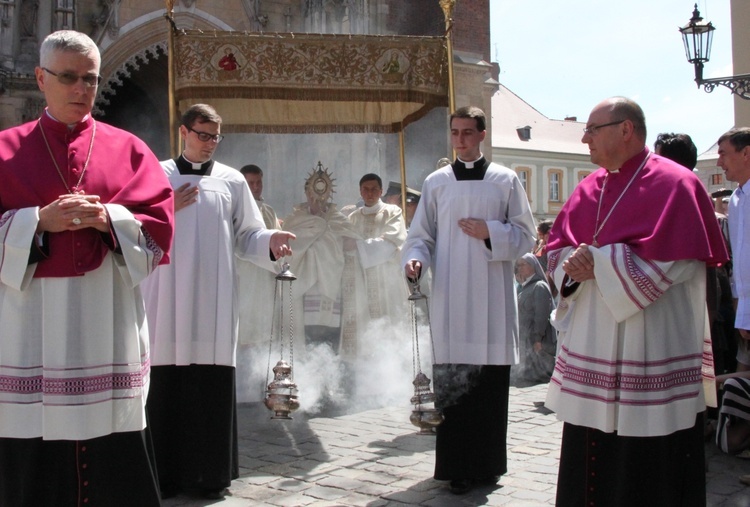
column 310, row 83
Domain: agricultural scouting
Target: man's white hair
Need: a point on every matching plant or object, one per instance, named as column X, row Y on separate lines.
column 69, row 41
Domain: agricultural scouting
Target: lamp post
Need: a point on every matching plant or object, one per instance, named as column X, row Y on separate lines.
column 697, row 36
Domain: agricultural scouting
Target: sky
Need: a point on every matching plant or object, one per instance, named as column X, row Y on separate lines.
column 563, row 57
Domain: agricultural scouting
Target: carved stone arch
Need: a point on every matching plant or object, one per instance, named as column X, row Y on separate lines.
column 133, row 40
column 134, row 92
column 128, row 70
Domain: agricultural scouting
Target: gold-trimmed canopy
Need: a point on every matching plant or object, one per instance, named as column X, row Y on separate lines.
column 305, row 83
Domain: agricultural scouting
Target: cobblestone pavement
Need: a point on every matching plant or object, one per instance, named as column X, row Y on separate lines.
column 375, row 458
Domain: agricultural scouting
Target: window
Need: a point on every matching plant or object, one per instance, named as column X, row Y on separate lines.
column 64, row 14
column 524, row 174
column 582, row 174
column 555, row 178
column 524, row 133
column 717, row 179
column 524, row 177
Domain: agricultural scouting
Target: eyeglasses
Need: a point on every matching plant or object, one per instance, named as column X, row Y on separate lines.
column 68, row 78
column 206, row 137
column 593, row 129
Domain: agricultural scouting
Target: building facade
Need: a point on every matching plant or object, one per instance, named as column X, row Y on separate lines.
column 549, row 157
column 547, row 154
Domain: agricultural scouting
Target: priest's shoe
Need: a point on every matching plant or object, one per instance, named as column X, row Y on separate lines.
column 461, row 486
column 214, row 494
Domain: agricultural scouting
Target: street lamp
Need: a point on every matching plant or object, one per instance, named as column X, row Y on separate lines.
column 697, row 36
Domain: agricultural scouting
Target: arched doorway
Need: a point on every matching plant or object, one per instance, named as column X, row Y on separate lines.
column 136, row 99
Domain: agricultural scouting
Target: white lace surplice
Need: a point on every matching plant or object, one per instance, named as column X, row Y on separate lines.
column 635, row 347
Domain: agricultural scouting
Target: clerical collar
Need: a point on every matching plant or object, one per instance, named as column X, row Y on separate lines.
column 186, row 166
column 71, row 126
column 470, row 165
column 371, row 210
column 631, row 165
column 474, row 170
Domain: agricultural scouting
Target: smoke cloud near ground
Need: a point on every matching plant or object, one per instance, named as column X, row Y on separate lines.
column 381, row 375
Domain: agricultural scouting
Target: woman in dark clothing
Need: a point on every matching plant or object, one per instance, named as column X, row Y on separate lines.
column 537, row 336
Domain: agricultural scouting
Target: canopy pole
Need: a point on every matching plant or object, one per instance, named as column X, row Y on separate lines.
column 402, row 154
column 174, row 147
column 448, row 6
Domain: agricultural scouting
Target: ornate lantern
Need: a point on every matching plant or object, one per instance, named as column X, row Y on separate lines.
column 281, row 395
column 424, row 415
column 697, row 36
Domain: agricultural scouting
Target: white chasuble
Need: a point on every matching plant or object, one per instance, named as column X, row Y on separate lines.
column 374, row 288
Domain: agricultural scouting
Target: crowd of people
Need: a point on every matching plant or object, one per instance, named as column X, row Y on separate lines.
column 726, row 297
column 130, row 288
column 733, row 432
